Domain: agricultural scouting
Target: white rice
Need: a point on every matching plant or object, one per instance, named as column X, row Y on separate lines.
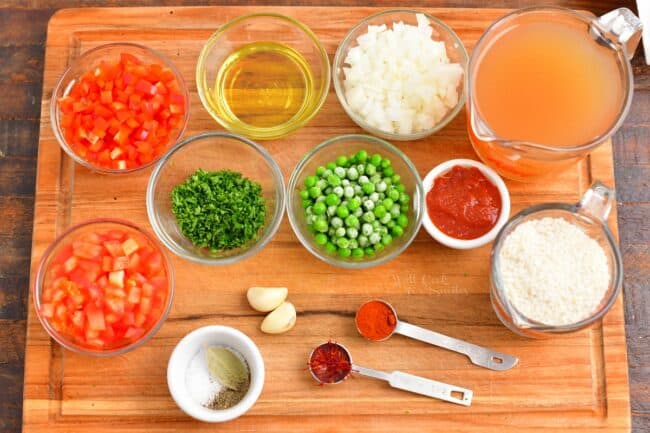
column 553, row 272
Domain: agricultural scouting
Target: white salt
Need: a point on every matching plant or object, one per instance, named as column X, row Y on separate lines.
column 200, row 384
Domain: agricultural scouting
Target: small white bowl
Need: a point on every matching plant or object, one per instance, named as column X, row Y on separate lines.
column 466, row 244
column 187, row 348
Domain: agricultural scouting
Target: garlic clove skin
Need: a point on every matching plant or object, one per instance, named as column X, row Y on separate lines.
column 265, row 299
column 280, row 320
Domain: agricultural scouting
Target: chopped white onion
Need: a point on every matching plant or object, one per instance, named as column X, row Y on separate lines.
column 400, row 80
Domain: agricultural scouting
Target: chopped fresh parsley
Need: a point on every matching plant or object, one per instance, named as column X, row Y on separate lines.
column 219, row 210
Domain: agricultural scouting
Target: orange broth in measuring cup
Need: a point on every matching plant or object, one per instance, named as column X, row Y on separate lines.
column 549, row 83
column 546, row 85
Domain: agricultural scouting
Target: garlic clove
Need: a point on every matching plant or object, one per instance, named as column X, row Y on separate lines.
column 266, row 299
column 280, row 320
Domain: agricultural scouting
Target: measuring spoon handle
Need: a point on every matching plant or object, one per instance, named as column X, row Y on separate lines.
column 420, row 385
column 480, row 356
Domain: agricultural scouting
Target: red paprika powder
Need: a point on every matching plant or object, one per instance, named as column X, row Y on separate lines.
column 376, row 320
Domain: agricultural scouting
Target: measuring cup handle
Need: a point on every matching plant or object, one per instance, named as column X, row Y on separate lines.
column 431, row 388
column 481, row 356
column 597, row 202
column 622, row 27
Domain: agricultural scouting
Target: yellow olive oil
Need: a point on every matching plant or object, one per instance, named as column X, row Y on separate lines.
column 263, row 85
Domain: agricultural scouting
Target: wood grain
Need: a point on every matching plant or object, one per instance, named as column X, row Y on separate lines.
column 576, row 381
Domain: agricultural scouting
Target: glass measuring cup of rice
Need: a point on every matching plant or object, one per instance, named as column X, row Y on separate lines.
column 547, row 85
column 556, row 268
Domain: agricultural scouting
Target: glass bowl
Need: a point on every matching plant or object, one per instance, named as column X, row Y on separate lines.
column 212, row 151
column 590, row 215
column 441, row 32
column 48, row 271
column 88, row 61
column 251, row 36
column 328, row 151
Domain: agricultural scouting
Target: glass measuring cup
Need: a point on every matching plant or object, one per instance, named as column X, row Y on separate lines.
column 338, row 365
column 478, row 355
column 615, row 34
column 590, row 215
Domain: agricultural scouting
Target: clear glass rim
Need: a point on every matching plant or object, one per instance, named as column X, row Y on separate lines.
column 65, row 78
column 338, row 86
column 418, row 202
column 261, row 242
column 268, row 133
column 497, row 284
column 40, row 278
column 469, row 79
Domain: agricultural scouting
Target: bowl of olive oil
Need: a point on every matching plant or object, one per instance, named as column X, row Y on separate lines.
column 263, row 75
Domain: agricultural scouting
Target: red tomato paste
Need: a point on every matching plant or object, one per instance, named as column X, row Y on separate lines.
column 463, row 203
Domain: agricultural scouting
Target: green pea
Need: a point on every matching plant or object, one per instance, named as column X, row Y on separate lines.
column 368, row 217
column 385, row 163
column 362, row 155
column 330, row 247
column 357, row 253
column 380, row 211
column 404, row 208
column 388, row 171
column 342, row 242
column 342, row 161
column 404, row 198
column 396, row 178
column 345, row 252
column 333, row 199
column 330, row 165
column 352, row 221
column 304, row 194
column 314, row 192
column 378, row 247
column 370, row 170
column 352, row 159
column 401, row 187
column 393, row 194
column 333, row 180
column 342, row 211
column 354, row 203
column 321, row 239
column 310, row 181
column 369, row 251
column 386, row 239
column 321, row 225
column 368, row 188
column 397, row 231
column 402, row 221
column 306, row 203
column 387, row 202
column 319, row 208
column 375, row 159
column 320, row 170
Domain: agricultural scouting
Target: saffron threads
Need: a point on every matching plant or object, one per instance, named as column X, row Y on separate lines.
column 330, row 363
column 376, row 320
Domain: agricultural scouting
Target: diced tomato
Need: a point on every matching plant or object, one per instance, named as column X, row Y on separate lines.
column 102, row 292
column 108, row 107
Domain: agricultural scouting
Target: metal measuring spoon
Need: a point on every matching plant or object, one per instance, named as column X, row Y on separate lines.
column 337, row 371
column 481, row 356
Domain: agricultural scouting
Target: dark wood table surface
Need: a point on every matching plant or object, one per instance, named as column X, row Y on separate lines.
column 23, row 26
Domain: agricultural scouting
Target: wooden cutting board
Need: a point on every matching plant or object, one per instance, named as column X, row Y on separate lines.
column 577, row 381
